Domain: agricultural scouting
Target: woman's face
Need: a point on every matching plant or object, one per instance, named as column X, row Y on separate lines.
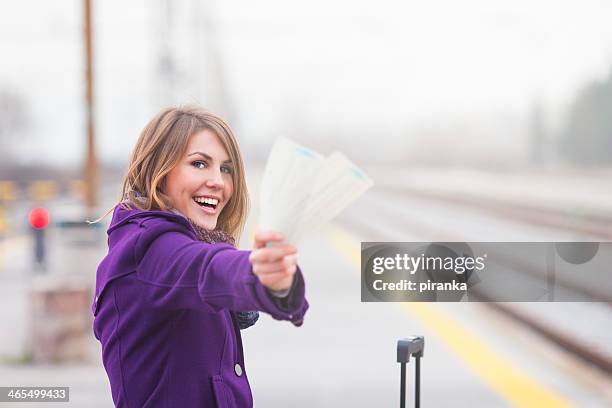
column 200, row 185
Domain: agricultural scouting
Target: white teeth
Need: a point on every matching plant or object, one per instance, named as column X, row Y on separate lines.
column 211, row 201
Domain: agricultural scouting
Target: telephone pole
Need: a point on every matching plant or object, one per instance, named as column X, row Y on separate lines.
column 91, row 165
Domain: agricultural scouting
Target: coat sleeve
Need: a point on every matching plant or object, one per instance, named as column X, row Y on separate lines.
column 185, row 273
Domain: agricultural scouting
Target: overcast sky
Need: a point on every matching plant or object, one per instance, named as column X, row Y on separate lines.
column 325, row 66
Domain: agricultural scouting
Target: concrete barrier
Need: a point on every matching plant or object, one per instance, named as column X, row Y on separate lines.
column 59, row 325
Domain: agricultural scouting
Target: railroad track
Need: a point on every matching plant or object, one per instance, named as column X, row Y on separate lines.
column 567, row 220
column 570, row 344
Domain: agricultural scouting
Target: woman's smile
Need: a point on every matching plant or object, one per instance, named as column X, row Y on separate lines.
column 207, row 203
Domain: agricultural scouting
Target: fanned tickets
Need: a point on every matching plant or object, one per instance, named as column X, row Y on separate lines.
column 301, row 190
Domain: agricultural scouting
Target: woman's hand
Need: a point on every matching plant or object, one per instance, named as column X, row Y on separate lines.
column 274, row 266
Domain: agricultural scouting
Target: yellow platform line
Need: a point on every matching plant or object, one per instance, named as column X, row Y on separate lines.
column 501, row 374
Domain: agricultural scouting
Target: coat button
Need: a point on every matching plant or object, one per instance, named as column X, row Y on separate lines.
column 238, row 370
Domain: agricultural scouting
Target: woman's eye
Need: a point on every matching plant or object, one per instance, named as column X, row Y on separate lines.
column 198, row 164
column 226, row 169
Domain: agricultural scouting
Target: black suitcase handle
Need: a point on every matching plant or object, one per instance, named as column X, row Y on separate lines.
column 411, row 346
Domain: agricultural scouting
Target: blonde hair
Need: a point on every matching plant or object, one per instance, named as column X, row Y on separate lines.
column 160, row 147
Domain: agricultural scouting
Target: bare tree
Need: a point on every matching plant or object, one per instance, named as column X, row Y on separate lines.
column 13, row 121
column 587, row 138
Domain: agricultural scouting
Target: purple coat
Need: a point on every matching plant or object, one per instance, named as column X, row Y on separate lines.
column 164, row 313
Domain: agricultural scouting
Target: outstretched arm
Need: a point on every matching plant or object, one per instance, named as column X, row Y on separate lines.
column 193, row 274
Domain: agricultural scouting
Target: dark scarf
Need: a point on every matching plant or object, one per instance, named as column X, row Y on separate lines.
column 244, row 319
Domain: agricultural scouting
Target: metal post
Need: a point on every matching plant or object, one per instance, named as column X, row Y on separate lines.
column 39, row 246
column 417, row 382
column 403, row 386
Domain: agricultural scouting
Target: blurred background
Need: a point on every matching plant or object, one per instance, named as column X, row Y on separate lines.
column 477, row 120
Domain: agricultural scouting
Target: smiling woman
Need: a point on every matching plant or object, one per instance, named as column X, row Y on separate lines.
column 201, row 184
column 173, row 292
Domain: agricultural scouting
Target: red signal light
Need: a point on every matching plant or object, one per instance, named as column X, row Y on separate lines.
column 39, row 218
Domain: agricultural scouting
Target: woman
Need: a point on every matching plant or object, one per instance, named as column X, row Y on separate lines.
column 173, row 291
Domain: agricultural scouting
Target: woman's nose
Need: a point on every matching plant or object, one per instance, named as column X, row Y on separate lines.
column 215, row 180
